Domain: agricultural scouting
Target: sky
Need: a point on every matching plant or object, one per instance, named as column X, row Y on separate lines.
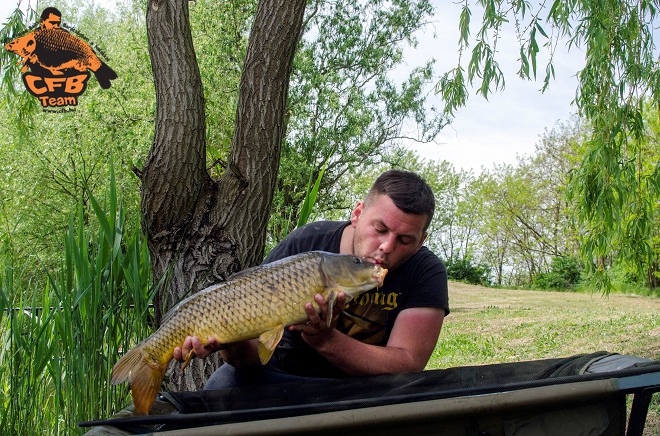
column 511, row 122
column 485, row 132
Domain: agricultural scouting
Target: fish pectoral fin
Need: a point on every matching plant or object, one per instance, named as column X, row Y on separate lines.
column 268, row 341
column 332, row 299
column 191, row 354
column 359, row 321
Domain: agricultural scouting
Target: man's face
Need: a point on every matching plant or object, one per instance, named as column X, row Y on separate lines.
column 52, row 22
column 385, row 233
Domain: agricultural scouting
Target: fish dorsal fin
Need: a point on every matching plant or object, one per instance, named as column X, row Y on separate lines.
column 268, row 341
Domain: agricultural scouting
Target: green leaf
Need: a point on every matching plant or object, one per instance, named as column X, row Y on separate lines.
column 310, row 197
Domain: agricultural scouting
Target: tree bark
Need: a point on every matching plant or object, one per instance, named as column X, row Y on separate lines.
column 200, row 230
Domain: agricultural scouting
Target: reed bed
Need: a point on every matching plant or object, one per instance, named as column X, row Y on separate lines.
column 59, row 344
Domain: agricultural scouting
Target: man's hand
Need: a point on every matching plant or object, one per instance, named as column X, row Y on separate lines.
column 316, row 331
column 193, row 343
column 239, row 354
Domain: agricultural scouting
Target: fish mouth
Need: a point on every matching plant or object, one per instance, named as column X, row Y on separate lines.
column 378, row 261
column 379, row 275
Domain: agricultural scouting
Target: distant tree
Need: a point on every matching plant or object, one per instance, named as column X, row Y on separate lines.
column 558, row 155
column 525, row 219
column 620, row 70
column 452, row 233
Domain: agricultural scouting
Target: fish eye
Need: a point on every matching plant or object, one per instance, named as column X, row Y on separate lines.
column 357, row 260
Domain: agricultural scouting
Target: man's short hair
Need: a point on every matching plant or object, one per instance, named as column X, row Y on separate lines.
column 50, row 10
column 408, row 191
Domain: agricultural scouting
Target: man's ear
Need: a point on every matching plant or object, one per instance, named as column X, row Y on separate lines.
column 421, row 241
column 357, row 211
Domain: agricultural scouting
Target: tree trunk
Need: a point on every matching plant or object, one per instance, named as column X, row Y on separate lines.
column 201, row 230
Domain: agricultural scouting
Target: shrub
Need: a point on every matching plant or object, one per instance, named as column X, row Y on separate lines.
column 462, row 270
column 564, row 274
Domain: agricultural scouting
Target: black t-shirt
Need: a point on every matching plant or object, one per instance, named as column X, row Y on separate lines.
column 420, row 282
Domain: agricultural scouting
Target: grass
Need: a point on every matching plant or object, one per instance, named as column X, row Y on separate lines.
column 489, row 325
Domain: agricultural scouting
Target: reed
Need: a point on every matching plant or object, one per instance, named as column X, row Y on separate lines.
column 59, row 347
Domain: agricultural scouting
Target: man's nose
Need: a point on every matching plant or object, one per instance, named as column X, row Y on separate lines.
column 388, row 243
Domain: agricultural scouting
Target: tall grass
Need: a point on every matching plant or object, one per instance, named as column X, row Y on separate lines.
column 58, row 347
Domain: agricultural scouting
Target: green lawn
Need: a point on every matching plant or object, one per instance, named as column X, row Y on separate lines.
column 489, row 325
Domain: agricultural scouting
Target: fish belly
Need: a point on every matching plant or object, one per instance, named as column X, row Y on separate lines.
column 240, row 309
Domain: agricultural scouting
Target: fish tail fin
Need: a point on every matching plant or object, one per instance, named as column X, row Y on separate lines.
column 104, row 74
column 145, row 376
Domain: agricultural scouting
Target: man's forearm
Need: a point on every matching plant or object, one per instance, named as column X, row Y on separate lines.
column 357, row 358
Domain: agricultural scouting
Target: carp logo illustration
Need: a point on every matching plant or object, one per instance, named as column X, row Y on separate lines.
column 59, row 62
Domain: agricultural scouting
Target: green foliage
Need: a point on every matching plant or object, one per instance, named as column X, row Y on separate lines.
column 284, row 223
column 59, row 345
column 614, row 190
column 46, row 168
column 345, row 108
column 310, row 198
column 564, row 274
column 623, row 283
column 464, row 270
column 220, row 31
column 22, row 104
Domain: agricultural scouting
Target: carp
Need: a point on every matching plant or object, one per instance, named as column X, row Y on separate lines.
column 57, row 51
column 259, row 302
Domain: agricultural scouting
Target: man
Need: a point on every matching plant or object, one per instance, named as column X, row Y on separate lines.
column 51, row 18
column 388, row 330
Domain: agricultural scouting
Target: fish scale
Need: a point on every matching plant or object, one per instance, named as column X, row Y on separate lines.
column 256, row 303
column 58, row 39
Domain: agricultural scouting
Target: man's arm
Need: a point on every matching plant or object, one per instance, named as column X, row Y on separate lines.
column 413, row 339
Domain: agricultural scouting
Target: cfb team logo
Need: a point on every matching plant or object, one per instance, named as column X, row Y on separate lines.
column 59, row 63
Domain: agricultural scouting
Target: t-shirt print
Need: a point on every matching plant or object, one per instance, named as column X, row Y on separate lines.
column 365, row 317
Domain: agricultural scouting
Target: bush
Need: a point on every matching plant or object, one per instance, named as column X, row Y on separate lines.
column 462, row 270
column 564, row 274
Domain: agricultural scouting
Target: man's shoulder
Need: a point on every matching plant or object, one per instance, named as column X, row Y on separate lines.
column 421, row 266
column 315, row 236
column 318, row 228
column 425, row 256
column 319, row 235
